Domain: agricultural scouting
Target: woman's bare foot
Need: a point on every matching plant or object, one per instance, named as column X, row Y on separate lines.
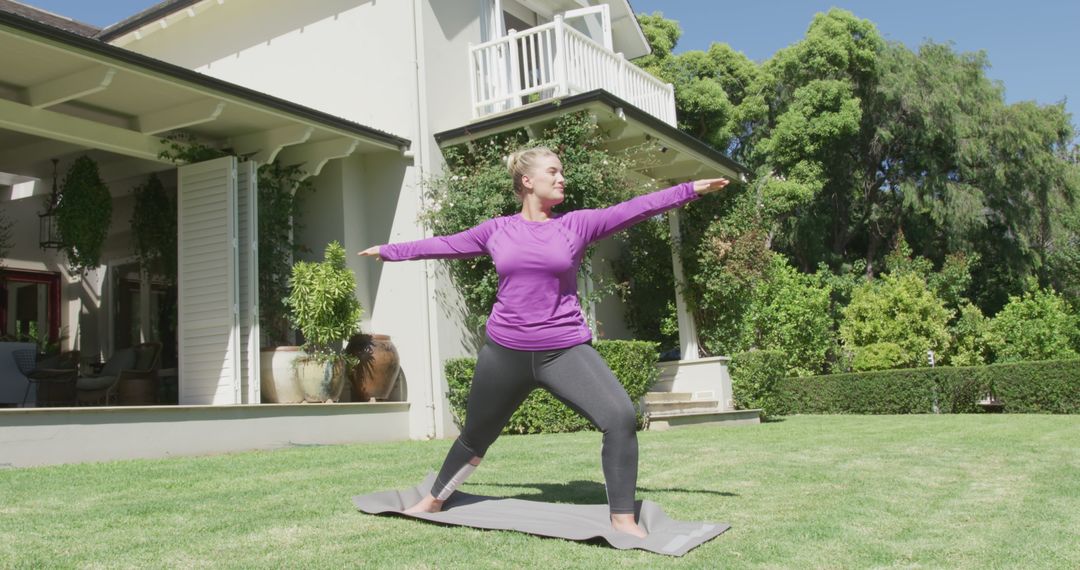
column 625, row 523
column 428, row 504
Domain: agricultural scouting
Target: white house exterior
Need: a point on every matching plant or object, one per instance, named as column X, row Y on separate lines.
column 364, row 93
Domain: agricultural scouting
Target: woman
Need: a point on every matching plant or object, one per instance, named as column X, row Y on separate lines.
column 536, row 334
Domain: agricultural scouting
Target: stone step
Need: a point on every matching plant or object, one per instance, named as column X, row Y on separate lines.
column 663, row 421
column 673, row 407
column 657, row 397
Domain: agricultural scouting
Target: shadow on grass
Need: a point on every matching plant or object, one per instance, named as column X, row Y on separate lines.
column 583, row 491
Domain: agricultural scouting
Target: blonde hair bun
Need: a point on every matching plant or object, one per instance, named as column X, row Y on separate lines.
column 521, row 162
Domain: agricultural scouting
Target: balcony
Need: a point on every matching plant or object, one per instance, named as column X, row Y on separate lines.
column 555, row 60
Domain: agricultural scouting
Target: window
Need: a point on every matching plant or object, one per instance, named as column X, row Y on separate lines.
column 29, row 302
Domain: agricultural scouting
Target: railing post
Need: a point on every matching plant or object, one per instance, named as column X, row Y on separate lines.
column 671, row 118
column 620, row 83
column 561, row 60
column 473, row 77
column 515, row 70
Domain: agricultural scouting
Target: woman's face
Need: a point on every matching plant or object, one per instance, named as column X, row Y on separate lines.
column 546, row 181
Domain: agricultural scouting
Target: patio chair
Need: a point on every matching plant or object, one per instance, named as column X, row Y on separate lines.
column 55, row 378
column 129, row 377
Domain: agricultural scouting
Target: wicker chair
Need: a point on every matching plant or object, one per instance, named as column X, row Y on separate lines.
column 55, row 379
column 128, row 378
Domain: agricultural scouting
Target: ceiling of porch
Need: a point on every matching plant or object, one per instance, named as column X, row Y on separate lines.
column 62, row 94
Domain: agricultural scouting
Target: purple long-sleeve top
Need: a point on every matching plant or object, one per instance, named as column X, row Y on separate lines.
column 536, row 306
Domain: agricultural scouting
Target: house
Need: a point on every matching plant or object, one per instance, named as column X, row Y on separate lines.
column 364, row 94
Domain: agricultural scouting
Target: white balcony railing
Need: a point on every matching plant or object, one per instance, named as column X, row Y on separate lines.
column 555, row 60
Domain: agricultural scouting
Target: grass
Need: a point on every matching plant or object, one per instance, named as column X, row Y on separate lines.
column 949, row 491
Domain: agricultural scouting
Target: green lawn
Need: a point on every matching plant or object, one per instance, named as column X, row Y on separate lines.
column 978, row 491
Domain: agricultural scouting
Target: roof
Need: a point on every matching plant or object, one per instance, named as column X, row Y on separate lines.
column 48, row 18
column 182, row 74
column 149, row 15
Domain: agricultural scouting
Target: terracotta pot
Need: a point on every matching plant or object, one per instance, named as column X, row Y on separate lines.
column 377, row 372
column 277, row 375
column 320, row 381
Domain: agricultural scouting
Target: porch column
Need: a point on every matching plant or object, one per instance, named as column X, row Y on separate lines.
column 687, row 329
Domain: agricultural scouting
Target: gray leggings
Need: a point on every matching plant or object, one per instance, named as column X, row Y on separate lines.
column 579, row 378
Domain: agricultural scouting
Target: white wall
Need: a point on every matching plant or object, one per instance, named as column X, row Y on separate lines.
column 350, row 58
column 369, row 200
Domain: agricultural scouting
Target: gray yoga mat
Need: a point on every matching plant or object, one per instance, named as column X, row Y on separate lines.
column 572, row 522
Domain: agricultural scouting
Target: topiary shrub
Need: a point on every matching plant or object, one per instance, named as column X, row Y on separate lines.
column 633, row 362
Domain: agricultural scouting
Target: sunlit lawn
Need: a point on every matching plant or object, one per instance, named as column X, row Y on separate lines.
column 976, row 491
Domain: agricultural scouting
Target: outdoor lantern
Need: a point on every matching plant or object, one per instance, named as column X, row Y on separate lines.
column 48, row 235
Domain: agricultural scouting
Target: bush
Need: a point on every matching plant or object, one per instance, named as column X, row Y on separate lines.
column 969, row 337
column 898, row 309
column 323, row 302
column 878, row 356
column 1029, row 387
column 789, row 313
column 633, row 362
column 1036, row 326
column 754, row 378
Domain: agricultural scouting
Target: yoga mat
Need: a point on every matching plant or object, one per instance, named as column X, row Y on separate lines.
column 558, row 520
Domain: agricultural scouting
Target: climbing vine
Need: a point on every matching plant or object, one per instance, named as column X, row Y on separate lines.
column 83, row 214
column 476, row 186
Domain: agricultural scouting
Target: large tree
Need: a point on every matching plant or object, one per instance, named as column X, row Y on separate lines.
column 855, row 140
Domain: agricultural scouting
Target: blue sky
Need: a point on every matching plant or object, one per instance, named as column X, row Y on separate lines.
column 1031, row 45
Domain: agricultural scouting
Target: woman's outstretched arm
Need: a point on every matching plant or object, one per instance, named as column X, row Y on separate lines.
column 469, row 243
column 598, row 224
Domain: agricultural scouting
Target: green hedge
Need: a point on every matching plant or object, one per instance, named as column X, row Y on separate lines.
column 1023, row 387
column 633, row 362
column 1049, row 387
column 754, row 377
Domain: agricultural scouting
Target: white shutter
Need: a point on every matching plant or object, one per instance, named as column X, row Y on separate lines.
column 208, row 324
column 248, row 224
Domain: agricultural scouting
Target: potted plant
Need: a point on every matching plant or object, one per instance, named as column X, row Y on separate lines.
column 323, row 305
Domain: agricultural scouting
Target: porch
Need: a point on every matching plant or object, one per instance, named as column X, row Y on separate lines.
column 63, row 97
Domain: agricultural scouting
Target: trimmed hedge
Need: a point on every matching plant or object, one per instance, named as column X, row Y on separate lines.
column 633, row 362
column 1048, row 387
column 1023, row 387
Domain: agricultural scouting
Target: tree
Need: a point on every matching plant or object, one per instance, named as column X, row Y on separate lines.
column 855, row 140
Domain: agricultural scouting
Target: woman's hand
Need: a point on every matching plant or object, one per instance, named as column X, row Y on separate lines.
column 703, row 187
column 372, row 251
